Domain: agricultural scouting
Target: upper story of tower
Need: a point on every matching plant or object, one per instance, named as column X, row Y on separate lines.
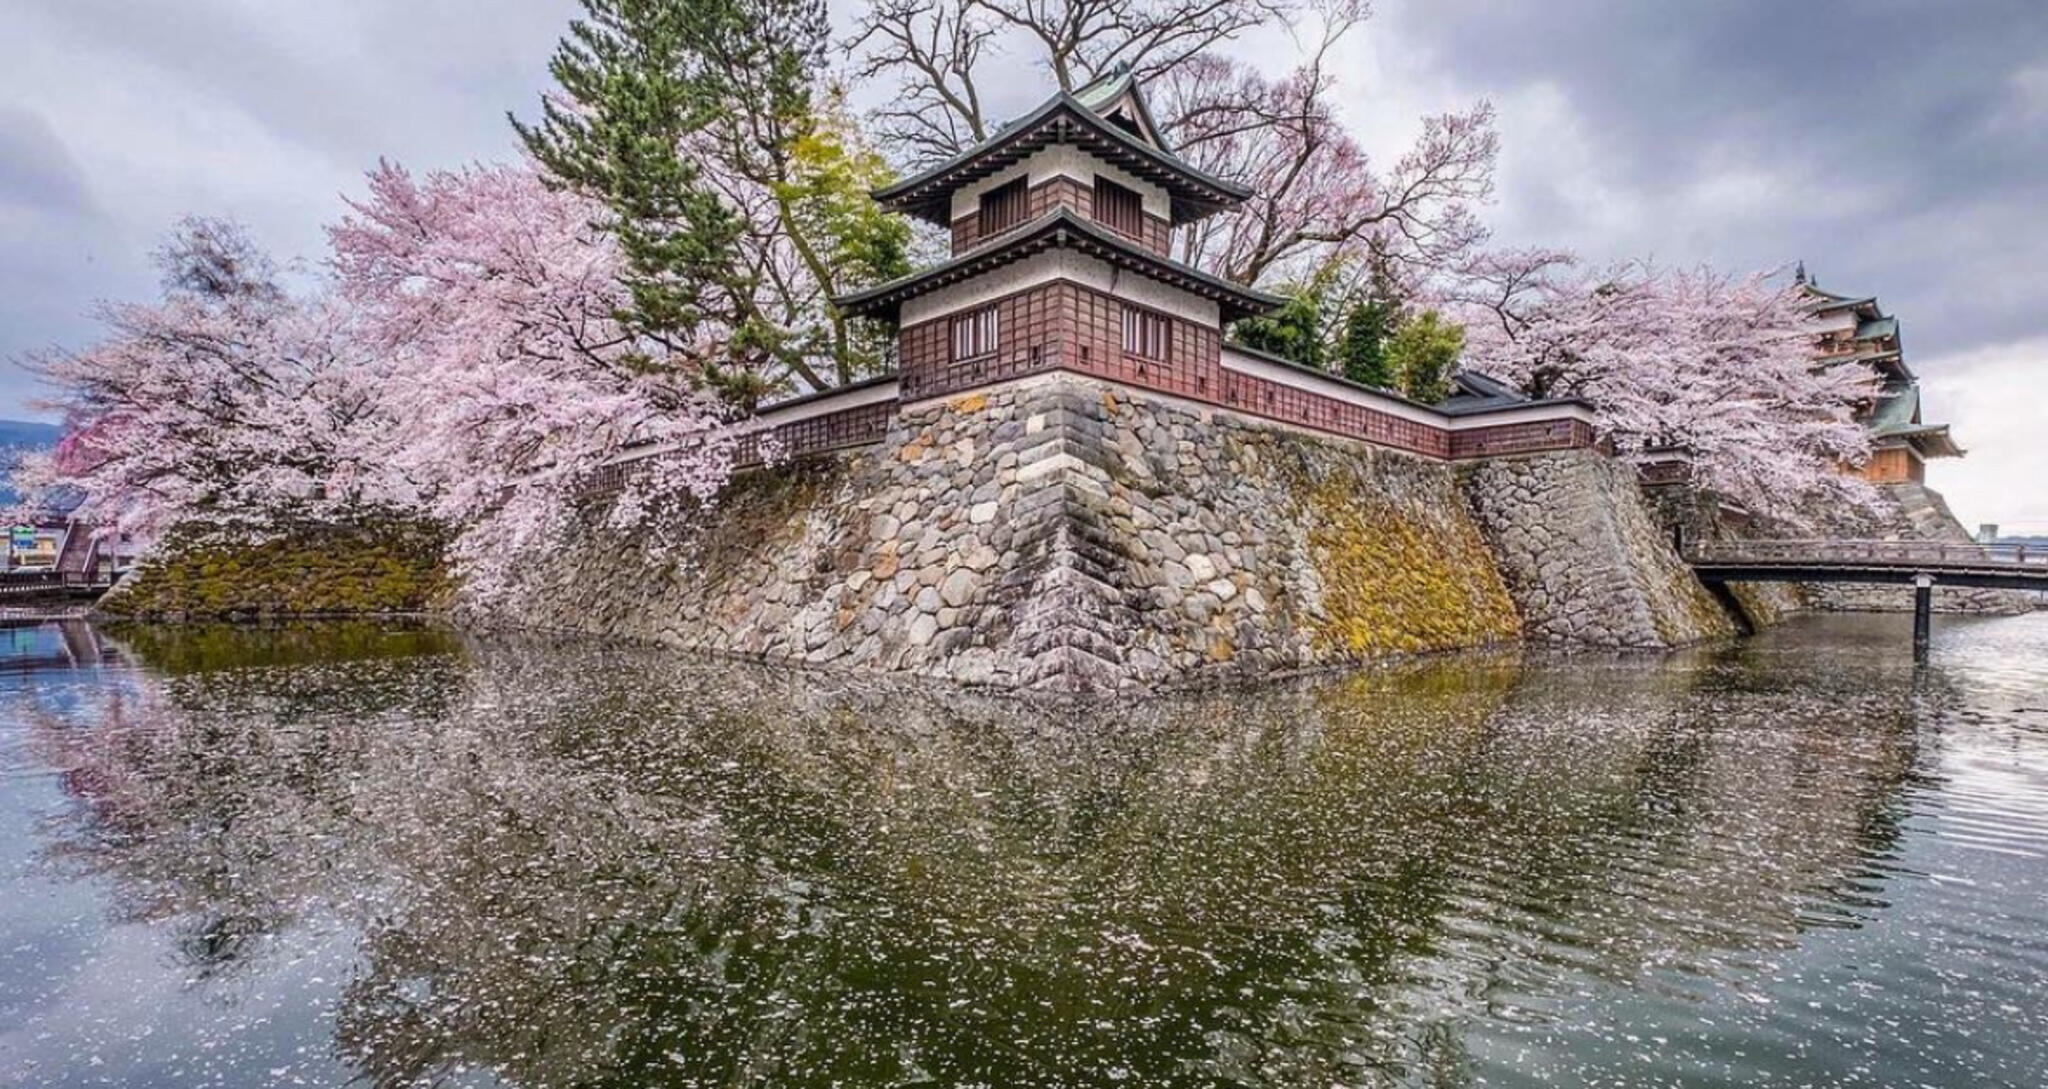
column 1095, row 152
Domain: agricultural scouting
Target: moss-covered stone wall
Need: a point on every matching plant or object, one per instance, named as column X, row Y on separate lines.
column 1399, row 579
column 307, row 570
column 1060, row 532
column 1055, row 533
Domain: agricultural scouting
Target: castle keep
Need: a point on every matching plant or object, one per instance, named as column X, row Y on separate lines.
column 1854, row 331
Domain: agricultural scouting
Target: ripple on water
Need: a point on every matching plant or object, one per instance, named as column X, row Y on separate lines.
column 250, row 859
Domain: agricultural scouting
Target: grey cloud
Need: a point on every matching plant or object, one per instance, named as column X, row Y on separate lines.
column 37, row 172
column 1895, row 124
column 383, row 76
column 267, row 113
column 1900, row 147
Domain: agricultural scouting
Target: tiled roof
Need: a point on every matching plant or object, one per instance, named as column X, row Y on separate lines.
column 1060, row 229
column 1476, row 392
column 1931, row 440
column 1063, row 119
column 1890, row 364
column 1899, row 409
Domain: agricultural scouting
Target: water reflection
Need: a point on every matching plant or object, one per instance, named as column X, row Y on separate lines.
column 398, row 857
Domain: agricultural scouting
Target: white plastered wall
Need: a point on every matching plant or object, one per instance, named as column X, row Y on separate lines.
column 1065, row 265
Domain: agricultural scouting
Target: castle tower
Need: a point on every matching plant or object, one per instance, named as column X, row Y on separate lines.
column 1854, row 331
column 1061, row 227
column 1072, row 480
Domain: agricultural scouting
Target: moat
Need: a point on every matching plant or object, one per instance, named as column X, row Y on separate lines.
column 369, row 855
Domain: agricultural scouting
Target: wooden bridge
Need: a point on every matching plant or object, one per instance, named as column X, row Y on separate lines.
column 1922, row 565
column 50, row 583
column 83, row 570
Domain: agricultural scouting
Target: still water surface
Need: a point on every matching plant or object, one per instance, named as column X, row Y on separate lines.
column 396, row 858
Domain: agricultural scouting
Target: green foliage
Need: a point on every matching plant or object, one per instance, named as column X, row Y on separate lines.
column 311, row 569
column 737, row 187
column 638, row 90
column 1424, row 352
column 1292, row 332
column 1298, row 330
column 832, row 172
column 1362, row 350
column 821, row 192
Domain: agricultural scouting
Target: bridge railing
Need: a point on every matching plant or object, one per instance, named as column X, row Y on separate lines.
column 1877, row 553
column 47, row 580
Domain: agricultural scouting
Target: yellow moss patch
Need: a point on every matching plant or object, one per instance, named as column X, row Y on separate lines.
column 1395, row 581
column 311, row 570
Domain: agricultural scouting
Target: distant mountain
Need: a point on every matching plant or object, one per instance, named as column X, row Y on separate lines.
column 28, row 434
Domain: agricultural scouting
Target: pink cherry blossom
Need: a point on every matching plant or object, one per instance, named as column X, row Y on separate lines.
column 1718, row 364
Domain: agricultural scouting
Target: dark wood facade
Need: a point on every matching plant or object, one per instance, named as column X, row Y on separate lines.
column 1065, row 326
column 1152, row 233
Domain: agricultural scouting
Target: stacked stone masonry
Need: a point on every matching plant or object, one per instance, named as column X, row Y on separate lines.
column 1067, row 533
column 1586, row 560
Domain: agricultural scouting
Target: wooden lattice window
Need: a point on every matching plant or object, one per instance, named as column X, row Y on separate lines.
column 1118, row 208
column 975, row 334
column 1147, row 335
column 1004, row 207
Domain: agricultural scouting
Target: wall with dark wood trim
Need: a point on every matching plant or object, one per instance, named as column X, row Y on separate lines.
column 1064, row 326
column 1057, row 192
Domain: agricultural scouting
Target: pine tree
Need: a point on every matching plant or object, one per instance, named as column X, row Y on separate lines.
column 1299, row 330
column 1293, row 332
column 1423, row 352
column 638, row 88
column 1362, row 351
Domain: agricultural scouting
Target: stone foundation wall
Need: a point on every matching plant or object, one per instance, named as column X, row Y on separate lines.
column 1061, row 532
column 1585, row 559
column 372, row 566
column 1685, row 511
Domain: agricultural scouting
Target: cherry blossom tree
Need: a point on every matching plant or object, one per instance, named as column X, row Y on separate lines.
column 1318, row 200
column 1718, row 364
column 934, row 53
column 228, row 402
column 513, row 379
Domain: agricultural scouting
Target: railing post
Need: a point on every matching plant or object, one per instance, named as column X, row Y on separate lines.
column 1923, row 615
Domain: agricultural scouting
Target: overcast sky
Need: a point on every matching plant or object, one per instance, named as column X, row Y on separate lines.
column 1900, row 148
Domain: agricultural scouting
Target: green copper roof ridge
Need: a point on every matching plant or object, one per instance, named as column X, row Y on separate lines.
column 1118, row 73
